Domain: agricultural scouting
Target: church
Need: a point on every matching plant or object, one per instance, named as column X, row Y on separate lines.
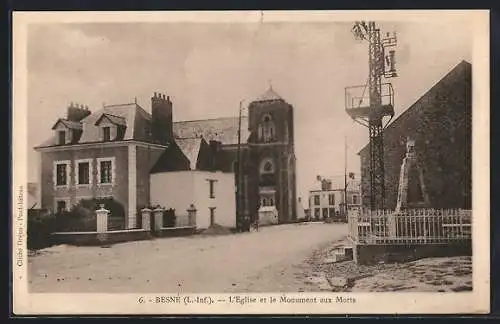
column 268, row 170
column 138, row 159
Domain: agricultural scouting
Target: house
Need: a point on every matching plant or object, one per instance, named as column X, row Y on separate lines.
column 329, row 200
column 440, row 125
column 177, row 184
column 140, row 158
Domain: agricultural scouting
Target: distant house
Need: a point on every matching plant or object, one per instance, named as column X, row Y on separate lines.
column 329, row 201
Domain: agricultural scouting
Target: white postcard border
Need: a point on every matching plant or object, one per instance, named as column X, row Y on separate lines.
column 476, row 301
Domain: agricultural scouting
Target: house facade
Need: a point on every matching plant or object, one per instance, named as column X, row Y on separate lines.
column 440, row 124
column 106, row 154
column 330, row 200
column 125, row 153
column 208, row 191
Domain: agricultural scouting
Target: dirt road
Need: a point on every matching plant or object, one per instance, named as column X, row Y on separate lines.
column 266, row 261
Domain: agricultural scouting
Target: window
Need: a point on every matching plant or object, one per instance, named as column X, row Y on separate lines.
column 331, row 199
column 106, row 133
column 61, row 171
column 60, row 206
column 331, row 212
column 316, row 213
column 61, row 137
column 354, row 200
column 325, row 213
column 316, row 200
column 83, row 172
column 212, row 216
column 106, row 176
column 211, row 184
column 106, row 170
column 266, row 129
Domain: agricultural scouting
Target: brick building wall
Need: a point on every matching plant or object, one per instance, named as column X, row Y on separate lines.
column 440, row 123
column 73, row 193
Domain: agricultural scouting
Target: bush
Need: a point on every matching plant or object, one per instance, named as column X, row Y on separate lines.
column 169, row 218
column 82, row 216
column 41, row 224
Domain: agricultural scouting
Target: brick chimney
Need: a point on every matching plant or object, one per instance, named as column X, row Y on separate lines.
column 77, row 112
column 215, row 151
column 161, row 123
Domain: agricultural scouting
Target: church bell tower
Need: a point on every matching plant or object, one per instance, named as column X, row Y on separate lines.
column 271, row 145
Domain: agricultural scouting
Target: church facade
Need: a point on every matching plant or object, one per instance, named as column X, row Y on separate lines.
column 268, row 170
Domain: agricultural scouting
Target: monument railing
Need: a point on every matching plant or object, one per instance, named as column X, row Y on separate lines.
column 410, row 226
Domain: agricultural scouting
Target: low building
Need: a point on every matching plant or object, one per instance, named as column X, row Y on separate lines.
column 195, row 182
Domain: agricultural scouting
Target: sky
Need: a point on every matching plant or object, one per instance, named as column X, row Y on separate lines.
column 208, row 68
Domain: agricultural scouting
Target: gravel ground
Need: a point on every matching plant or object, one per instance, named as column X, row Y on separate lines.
column 269, row 260
column 450, row 274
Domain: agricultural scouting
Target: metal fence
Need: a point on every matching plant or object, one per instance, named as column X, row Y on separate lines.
column 411, row 226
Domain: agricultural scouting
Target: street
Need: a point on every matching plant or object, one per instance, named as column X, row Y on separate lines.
column 270, row 260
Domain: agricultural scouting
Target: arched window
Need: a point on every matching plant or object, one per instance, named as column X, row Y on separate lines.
column 266, row 129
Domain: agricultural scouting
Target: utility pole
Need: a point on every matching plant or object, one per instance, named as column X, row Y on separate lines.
column 370, row 111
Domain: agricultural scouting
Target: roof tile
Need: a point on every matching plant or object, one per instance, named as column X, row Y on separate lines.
column 224, row 130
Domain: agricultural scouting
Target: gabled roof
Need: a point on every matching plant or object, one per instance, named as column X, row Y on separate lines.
column 132, row 115
column 224, row 130
column 68, row 124
column 269, row 95
column 190, row 147
column 117, row 120
column 172, row 159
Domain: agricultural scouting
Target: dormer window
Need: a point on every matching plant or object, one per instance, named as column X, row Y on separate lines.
column 111, row 127
column 67, row 131
column 106, row 134
column 61, row 137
